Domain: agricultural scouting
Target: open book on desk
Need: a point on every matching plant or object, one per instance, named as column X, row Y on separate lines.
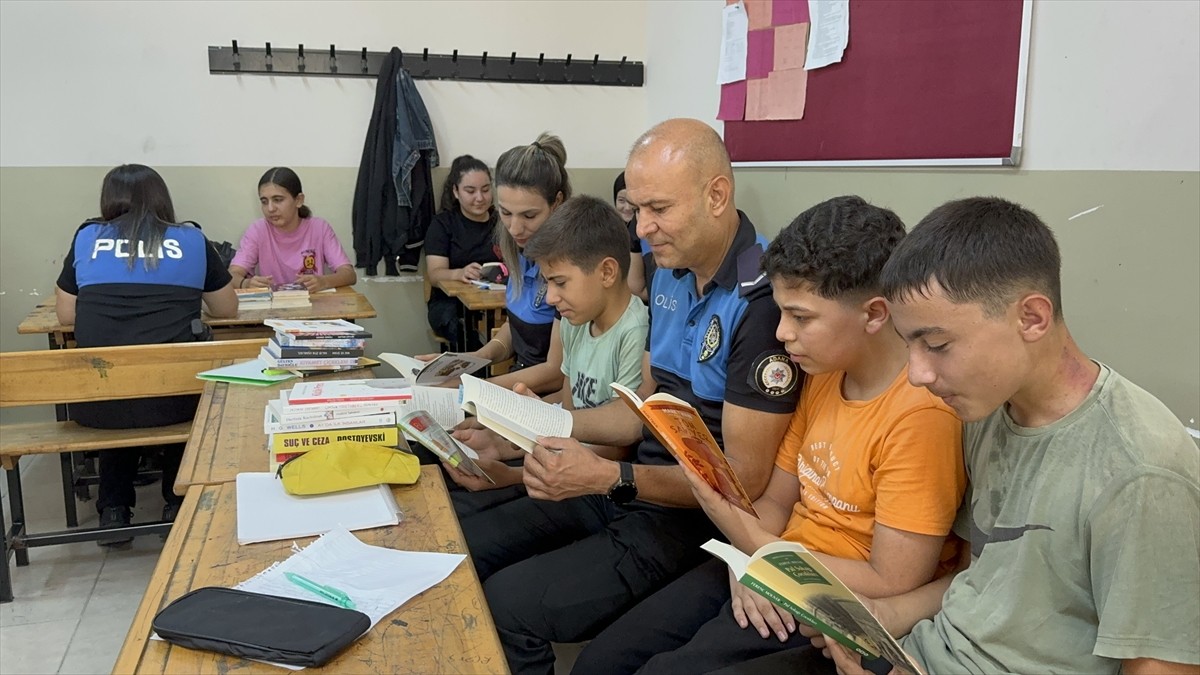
column 520, row 419
column 681, row 430
column 790, row 576
column 447, row 366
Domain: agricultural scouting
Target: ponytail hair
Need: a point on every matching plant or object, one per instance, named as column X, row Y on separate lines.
column 461, row 166
column 541, row 167
column 288, row 180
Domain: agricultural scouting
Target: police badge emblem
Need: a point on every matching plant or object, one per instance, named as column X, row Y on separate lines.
column 775, row 375
column 712, row 339
column 541, row 293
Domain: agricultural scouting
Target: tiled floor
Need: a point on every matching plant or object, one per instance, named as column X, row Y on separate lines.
column 74, row 603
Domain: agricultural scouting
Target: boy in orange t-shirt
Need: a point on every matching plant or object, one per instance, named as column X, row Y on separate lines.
column 869, row 475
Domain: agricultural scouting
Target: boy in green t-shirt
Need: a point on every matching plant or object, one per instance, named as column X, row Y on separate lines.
column 583, row 252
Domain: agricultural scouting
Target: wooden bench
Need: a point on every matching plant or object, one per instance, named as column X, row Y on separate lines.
column 84, row 375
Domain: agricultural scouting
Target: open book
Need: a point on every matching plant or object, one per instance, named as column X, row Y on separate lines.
column 681, row 430
column 445, row 367
column 791, row 577
column 520, row 419
column 422, row 428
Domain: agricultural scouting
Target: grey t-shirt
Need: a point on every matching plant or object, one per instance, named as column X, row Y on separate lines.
column 593, row 362
column 1085, row 543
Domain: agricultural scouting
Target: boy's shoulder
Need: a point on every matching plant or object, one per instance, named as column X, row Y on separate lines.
column 899, row 400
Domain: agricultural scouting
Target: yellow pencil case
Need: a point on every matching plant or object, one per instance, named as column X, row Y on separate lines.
column 346, row 465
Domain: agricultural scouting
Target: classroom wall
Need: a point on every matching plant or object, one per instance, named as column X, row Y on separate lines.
column 1110, row 123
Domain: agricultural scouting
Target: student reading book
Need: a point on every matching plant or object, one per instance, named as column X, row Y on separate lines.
column 581, row 251
column 868, row 477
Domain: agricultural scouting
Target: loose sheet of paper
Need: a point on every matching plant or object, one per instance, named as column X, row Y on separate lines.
column 734, row 25
column 266, row 512
column 829, row 33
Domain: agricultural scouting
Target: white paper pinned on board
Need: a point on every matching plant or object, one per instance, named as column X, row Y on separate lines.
column 829, row 32
column 734, row 27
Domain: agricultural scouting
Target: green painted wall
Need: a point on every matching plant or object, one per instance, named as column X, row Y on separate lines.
column 1131, row 273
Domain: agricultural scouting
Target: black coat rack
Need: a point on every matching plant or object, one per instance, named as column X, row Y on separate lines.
column 332, row 62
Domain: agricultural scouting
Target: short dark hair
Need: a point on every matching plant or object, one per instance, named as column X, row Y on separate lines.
column 288, row 180
column 838, row 247
column 583, row 231
column 982, row 250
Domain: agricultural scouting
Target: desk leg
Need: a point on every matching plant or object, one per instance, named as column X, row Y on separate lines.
column 464, row 329
column 16, row 503
column 6, row 592
column 68, row 460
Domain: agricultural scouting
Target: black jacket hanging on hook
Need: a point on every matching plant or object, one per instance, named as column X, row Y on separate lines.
column 387, row 225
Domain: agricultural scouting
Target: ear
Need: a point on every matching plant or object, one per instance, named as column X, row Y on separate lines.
column 558, row 200
column 878, row 317
column 1035, row 316
column 610, row 272
column 719, row 195
column 300, row 199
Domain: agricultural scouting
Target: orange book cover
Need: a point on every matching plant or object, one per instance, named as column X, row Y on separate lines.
column 681, row 430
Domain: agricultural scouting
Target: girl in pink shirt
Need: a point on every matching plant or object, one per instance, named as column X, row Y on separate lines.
column 289, row 244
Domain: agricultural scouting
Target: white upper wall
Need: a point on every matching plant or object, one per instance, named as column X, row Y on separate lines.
column 1113, row 85
column 101, row 83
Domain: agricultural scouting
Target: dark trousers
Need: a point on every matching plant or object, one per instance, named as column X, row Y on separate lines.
column 687, row 627
column 467, row 503
column 118, row 470
column 800, row 661
column 444, row 315
column 562, row 571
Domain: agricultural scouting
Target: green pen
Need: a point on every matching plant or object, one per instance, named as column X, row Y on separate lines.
column 328, row 592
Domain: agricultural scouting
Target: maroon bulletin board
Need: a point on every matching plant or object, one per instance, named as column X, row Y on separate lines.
column 921, row 81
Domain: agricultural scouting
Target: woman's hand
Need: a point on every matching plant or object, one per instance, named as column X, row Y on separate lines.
column 315, row 283
column 471, row 272
column 258, row 282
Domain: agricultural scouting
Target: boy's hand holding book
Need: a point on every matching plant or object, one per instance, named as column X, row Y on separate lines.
column 490, row 461
column 752, row 609
column 561, row 468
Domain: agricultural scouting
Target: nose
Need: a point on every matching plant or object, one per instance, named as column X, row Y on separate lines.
column 645, row 226
column 783, row 332
column 920, row 372
column 552, row 296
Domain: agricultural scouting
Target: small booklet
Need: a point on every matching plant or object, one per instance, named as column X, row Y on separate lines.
column 315, row 327
column 486, row 285
column 682, row 431
column 254, row 372
column 423, row 429
column 520, row 419
column 445, row 367
column 790, row 576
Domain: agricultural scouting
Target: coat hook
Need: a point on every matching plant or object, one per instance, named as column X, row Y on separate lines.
column 512, row 60
column 568, row 60
column 454, row 56
column 595, row 62
column 401, row 57
column 484, row 59
column 300, row 58
column 364, row 60
column 567, row 70
column 237, row 58
column 541, row 57
column 332, row 59
column 270, row 58
column 620, row 74
column 425, row 54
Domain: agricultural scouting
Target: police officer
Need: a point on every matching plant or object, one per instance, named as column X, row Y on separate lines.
column 594, row 536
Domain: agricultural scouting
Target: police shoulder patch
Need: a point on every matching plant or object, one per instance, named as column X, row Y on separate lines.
column 774, row 374
column 712, row 339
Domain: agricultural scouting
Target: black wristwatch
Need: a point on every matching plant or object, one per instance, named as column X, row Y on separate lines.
column 625, row 489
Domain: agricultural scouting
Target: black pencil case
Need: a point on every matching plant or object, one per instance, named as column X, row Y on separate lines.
column 256, row 626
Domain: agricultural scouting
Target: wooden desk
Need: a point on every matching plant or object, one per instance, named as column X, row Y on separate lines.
column 343, row 303
column 474, row 299
column 447, row 629
column 227, row 435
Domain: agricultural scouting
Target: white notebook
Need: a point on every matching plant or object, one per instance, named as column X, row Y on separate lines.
column 265, row 512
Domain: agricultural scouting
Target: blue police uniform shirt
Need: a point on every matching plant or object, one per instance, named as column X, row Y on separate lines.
column 119, row 305
column 720, row 346
column 531, row 318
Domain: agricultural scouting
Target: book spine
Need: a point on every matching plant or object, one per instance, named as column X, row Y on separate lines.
column 320, row 412
column 285, row 340
column 276, row 426
column 325, row 400
column 307, row 440
column 341, row 407
column 289, row 352
column 276, row 362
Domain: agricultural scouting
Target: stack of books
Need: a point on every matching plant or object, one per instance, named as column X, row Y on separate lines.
column 309, row 346
column 315, row 414
column 279, row 297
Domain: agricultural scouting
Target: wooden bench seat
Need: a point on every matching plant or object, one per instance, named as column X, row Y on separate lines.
column 85, row 375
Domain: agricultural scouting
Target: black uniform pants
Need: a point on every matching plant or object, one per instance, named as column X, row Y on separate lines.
column 118, row 470
column 687, row 627
column 562, row 571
